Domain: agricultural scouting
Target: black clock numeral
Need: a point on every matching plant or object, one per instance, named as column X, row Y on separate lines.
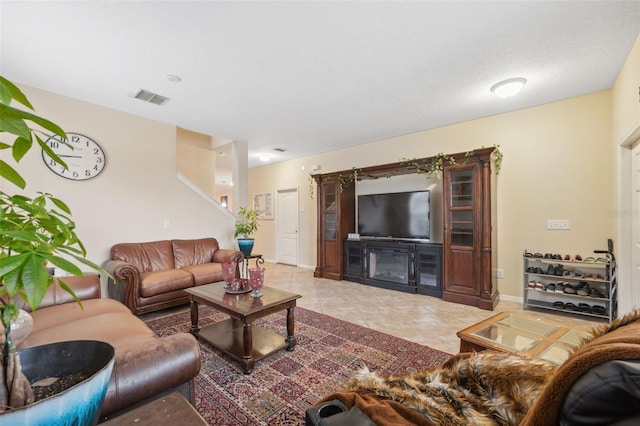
column 75, row 139
column 52, row 162
column 87, row 173
column 54, row 144
column 99, row 160
column 75, row 174
column 96, row 151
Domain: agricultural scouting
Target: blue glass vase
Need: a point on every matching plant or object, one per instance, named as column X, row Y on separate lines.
column 245, row 245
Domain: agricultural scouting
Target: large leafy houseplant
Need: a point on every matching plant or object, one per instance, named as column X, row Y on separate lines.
column 34, row 232
column 246, row 223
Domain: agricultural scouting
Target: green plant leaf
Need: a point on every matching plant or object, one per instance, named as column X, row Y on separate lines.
column 13, row 121
column 20, row 147
column 9, row 173
column 35, row 280
column 68, row 289
column 9, row 91
column 64, row 264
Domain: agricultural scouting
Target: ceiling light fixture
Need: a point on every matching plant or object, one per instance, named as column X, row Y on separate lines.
column 174, row 78
column 509, row 87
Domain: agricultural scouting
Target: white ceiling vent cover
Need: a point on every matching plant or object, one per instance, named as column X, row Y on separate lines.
column 154, row 98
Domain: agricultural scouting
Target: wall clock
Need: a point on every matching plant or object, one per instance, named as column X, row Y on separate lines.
column 85, row 161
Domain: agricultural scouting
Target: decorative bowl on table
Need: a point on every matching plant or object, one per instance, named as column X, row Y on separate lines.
column 238, row 286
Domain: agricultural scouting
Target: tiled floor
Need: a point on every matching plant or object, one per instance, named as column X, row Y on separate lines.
column 422, row 319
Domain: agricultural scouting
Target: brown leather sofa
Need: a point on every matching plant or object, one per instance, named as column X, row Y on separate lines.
column 151, row 276
column 146, row 366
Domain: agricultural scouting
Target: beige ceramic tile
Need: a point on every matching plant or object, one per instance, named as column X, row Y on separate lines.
column 422, row 319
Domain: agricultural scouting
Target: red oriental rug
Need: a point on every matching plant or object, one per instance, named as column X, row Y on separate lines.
column 283, row 385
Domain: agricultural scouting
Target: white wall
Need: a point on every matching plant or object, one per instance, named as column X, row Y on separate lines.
column 138, row 190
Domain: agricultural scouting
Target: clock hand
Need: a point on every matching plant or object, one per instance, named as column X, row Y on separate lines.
column 70, row 156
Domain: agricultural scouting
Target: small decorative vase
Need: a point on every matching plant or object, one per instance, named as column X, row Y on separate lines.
column 229, row 271
column 256, row 279
column 245, row 245
column 21, row 327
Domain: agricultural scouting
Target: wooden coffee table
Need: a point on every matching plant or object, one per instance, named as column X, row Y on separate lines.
column 237, row 336
column 516, row 332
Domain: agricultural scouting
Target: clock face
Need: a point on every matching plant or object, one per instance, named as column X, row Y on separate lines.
column 85, row 160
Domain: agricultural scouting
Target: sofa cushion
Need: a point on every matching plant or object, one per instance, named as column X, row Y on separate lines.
column 154, row 283
column 120, row 329
column 193, row 252
column 206, row 273
column 52, row 316
column 151, row 256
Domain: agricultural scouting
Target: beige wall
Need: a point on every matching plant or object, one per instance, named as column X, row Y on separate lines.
column 557, row 164
column 196, row 160
column 626, row 97
column 137, row 191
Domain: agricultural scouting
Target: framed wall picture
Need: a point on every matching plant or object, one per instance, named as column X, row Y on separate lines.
column 263, row 204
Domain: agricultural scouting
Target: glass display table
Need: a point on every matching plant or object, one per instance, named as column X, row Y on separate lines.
column 521, row 333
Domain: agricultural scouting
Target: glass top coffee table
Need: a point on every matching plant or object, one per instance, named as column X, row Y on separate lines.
column 237, row 336
column 521, row 333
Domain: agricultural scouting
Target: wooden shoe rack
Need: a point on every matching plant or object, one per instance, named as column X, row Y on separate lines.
column 554, row 284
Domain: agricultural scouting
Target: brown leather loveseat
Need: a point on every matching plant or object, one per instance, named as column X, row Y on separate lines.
column 146, row 366
column 151, row 276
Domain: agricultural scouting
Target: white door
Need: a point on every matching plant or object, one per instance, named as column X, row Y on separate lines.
column 635, row 223
column 287, row 227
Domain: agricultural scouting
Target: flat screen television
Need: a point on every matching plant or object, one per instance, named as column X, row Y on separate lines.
column 397, row 215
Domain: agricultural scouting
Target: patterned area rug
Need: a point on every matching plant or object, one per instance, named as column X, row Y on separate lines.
column 283, row 385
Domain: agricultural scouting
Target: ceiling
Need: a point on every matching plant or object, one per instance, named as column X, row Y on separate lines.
column 315, row 76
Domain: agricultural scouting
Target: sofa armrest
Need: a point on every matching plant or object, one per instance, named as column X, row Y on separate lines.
column 85, row 287
column 227, row 255
column 146, row 369
column 126, row 287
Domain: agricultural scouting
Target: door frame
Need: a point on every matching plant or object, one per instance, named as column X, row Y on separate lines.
column 624, row 217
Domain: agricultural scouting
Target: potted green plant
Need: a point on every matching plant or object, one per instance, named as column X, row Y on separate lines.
column 246, row 225
column 35, row 233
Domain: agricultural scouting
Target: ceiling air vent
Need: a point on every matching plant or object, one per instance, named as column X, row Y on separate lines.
column 154, row 98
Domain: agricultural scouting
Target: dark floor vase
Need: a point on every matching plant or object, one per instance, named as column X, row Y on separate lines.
column 78, row 405
column 245, row 245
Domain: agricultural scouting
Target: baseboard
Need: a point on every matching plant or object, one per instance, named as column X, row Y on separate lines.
column 509, row 298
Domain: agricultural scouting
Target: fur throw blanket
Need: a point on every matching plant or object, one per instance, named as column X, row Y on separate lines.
column 487, row 388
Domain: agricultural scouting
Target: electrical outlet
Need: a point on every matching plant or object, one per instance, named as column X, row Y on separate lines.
column 558, row 224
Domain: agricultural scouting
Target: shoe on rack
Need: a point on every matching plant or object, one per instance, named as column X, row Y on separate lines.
column 583, row 307
column 569, row 289
column 570, row 306
column 560, row 287
column 582, row 289
column 551, row 287
column 597, row 309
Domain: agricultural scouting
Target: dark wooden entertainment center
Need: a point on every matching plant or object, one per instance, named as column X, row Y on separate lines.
column 458, row 270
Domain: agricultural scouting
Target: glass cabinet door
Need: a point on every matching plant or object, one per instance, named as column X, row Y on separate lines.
column 329, row 205
column 461, row 211
column 461, row 188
